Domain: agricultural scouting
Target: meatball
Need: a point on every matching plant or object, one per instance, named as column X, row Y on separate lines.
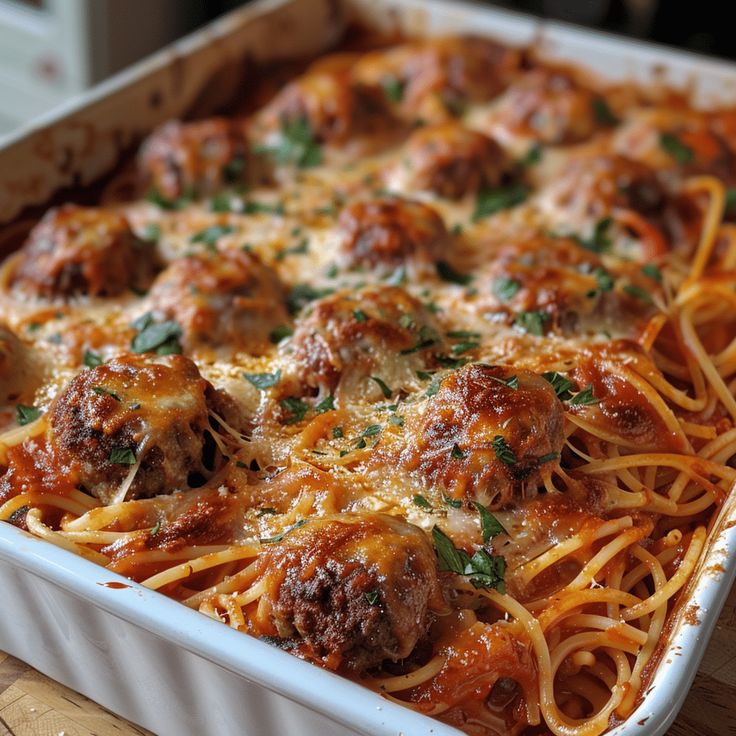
column 553, row 276
column 135, row 410
column 194, row 159
column 350, row 335
column 385, row 234
column 432, row 79
column 593, row 187
column 550, row 106
column 323, row 99
column 352, row 589
column 225, row 299
column 685, row 142
column 484, row 436
column 451, row 161
column 82, row 251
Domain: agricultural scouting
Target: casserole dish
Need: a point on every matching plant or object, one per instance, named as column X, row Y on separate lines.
column 81, row 148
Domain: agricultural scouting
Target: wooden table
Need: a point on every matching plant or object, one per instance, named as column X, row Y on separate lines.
column 33, row 705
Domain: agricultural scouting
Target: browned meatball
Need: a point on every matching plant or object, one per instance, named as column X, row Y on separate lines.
column 377, row 330
column 195, row 159
column 595, row 186
column 324, row 100
column 432, row 79
column 684, row 141
column 352, row 589
column 484, row 436
column 385, row 234
column 550, row 106
column 228, row 299
column 135, row 409
column 86, row 251
column 554, row 277
column 451, row 160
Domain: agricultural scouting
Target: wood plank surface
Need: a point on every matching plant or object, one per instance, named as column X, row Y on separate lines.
column 33, row 705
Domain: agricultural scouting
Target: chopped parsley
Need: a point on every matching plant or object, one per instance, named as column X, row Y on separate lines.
column 504, row 452
column 385, row 390
column 434, row 387
column 454, row 502
column 584, row 397
column 279, row 333
column 372, row 430
column 263, row 208
column 297, row 146
column 210, row 235
column 652, row 272
column 337, row 433
column 638, row 293
column 670, row 143
column 155, row 197
column 91, row 359
column 447, row 273
column 603, row 113
column 393, row 88
column 288, row 530
column 464, row 347
column 560, row 384
column 372, row 597
column 599, row 241
column 511, row 381
column 542, row 459
column 25, row 414
column 102, row 391
column 532, row 322
column 396, row 420
column 161, row 338
column 505, row 288
column 427, row 337
column 327, row 404
column 301, row 248
column 262, row 381
column 492, row 200
column 266, row 511
column 730, row 200
column 490, row 526
column 233, row 169
column 152, row 232
column 482, row 569
column 360, row 315
column 302, row 294
column 295, row 409
column 604, row 281
column 422, row 502
column 533, row 155
column 462, row 334
column 456, row 453
column 122, row 456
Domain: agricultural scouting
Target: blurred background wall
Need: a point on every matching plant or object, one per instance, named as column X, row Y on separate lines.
column 51, row 50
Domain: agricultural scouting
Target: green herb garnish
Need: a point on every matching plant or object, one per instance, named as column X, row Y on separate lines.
column 490, row 526
column 492, row 200
column 122, row 456
column 504, row 452
column 25, row 414
column 262, row 381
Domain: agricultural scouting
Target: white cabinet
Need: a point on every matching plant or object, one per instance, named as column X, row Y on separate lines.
column 52, row 49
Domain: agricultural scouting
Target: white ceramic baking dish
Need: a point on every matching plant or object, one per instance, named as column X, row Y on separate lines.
column 146, row 657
